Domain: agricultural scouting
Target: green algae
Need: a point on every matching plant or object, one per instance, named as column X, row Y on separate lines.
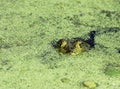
column 27, row 29
column 112, row 69
column 90, row 84
column 65, row 80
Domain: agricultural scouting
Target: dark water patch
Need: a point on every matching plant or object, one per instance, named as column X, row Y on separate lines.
column 49, row 58
column 112, row 29
column 75, row 20
column 101, row 31
column 54, row 43
column 111, row 14
column 108, row 13
column 91, row 41
column 5, row 44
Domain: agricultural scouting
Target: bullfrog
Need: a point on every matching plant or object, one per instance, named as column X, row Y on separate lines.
column 75, row 46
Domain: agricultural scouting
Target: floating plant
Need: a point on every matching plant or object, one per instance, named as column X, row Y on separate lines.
column 112, row 69
column 90, row 84
column 65, row 80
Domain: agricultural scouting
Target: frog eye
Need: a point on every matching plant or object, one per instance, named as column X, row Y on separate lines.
column 64, row 43
column 60, row 42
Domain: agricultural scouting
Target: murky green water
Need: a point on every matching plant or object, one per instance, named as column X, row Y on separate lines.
column 27, row 58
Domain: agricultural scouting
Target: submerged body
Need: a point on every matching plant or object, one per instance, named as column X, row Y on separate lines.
column 76, row 46
column 72, row 47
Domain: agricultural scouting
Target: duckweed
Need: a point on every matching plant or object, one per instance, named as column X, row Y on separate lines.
column 90, row 84
column 65, row 80
column 112, row 69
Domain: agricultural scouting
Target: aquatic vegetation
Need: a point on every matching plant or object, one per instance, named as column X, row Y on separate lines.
column 4, row 43
column 107, row 30
column 110, row 13
column 112, row 69
column 27, row 60
column 118, row 50
column 5, row 65
column 65, row 80
column 90, row 84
